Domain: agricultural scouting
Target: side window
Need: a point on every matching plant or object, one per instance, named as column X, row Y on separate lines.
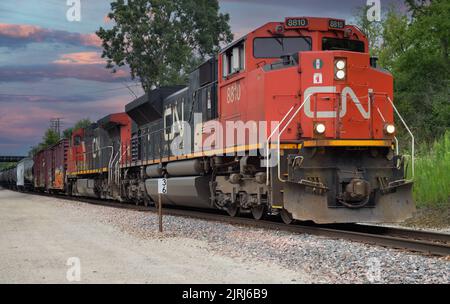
column 233, row 60
column 168, row 121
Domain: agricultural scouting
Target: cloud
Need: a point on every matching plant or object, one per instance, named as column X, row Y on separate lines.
column 94, row 72
column 20, row 129
column 14, row 98
column 81, row 58
column 18, row 35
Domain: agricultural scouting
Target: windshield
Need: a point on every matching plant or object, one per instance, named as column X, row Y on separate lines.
column 279, row 46
column 335, row 44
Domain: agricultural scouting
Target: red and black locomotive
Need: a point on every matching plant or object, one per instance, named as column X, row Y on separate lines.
column 295, row 119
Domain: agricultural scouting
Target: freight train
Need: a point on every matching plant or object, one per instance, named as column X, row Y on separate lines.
column 294, row 119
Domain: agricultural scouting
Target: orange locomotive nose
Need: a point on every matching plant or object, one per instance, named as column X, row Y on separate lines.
column 344, row 93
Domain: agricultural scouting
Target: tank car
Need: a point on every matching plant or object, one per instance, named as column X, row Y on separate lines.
column 25, row 174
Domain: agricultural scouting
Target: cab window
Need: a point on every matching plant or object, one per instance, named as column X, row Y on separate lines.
column 233, row 60
column 275, row 47
column 336, row 44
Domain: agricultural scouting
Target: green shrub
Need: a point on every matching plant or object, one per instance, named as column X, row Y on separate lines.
column 432, row 180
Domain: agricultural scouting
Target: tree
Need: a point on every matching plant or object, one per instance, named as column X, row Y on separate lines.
column 416, row 52
column 49, row 139
column 162, row 40
column 372, row 29
column 395, row 38
column 83, row 123
column 417, row 6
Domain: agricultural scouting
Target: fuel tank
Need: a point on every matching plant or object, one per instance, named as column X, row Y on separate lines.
column 182, row 191
column 85, row 187
column 185, row 168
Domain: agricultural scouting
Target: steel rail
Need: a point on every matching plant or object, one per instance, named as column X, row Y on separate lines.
column 425, row 242
column 408, row 241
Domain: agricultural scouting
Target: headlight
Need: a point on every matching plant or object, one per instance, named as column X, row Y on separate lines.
column 340, row 64
column 340, row 74
column 320, row 128
column 340, row 69
column 389, row 129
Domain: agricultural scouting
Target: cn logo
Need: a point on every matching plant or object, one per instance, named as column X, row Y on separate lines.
column 346, row 92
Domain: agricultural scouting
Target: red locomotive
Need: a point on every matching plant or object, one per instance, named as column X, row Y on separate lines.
column 292, row 119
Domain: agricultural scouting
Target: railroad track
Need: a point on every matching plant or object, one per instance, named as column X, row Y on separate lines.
column 429, row 243
column 412, row 240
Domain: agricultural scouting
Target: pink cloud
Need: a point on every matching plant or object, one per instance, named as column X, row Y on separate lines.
column 24, row 124
column 106, row 19
column 18, row 30
column 81, row 58
column 20, row 34
column 68, row 69
column 20, row 129
column 91, row 40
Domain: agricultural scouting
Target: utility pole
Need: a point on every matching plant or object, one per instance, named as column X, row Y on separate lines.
column 55, row 125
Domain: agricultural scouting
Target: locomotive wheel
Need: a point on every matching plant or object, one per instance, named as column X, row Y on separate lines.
column 233, row 210
column 286, row 216
column 259, row 212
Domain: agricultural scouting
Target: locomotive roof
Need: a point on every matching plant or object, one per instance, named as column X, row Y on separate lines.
column 149, row 107
column 313, row 24
column 233, row 44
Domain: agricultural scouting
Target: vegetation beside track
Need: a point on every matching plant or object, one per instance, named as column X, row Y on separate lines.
column 432, row 180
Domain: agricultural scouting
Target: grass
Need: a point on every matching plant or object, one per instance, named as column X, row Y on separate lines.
column 6, row 165
column 432, row 180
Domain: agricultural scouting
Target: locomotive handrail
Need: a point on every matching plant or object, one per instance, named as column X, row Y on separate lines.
column 397, row 150
column 410, row 134
column 92, row 152
column 284, row 129
column 111, row 165
column 268, row 144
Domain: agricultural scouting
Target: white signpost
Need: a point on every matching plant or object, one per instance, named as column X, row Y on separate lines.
column 162, row 186
column 162, row 190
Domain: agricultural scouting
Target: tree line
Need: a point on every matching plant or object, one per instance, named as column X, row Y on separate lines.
column 51, row 137
column 414, row 46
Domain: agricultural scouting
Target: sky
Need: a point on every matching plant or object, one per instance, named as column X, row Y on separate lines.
column 52, row 68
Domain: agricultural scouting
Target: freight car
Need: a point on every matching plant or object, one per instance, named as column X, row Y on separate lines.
column 25, row 174
column 19, row 177
column 8, row 178
column 294, row 119
column 50, row 166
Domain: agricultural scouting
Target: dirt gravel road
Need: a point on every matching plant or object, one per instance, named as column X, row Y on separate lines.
column 38, row 236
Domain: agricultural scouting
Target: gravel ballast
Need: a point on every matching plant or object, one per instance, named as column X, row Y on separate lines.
column 324, row 260
column 244, row 253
